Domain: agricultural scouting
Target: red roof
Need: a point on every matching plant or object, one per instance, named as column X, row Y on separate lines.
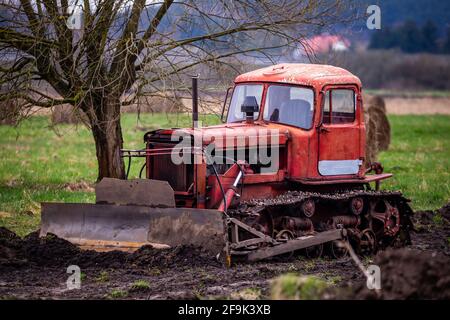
column 300, row 73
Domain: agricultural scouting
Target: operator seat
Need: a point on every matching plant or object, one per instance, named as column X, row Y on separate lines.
column 275, row 117
column 296, row 112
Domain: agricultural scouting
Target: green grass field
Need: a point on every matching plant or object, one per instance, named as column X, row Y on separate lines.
column 419, row 158
column 37, row 162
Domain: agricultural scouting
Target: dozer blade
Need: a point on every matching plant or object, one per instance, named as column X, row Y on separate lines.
column 127, row 227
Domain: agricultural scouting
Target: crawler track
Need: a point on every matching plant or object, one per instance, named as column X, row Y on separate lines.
column 374, row 219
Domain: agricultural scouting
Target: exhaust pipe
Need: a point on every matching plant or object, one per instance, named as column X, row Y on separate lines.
column 194, row 102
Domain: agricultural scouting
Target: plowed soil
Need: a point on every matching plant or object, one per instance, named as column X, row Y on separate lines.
column 35, row 268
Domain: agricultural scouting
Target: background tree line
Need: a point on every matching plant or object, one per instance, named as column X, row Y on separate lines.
column 412, row 38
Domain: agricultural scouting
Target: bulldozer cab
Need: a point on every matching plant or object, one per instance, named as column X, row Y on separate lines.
column 318, row 104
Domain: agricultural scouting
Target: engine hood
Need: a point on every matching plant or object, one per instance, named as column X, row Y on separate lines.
column 225, row 134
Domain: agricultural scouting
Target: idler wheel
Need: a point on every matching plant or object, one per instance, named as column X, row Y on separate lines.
column 357, row 205
column 308, row 208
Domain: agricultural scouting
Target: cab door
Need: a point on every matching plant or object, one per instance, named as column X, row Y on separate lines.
column 339, row 132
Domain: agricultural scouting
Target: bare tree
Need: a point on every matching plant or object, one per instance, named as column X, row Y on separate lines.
column 125, row 49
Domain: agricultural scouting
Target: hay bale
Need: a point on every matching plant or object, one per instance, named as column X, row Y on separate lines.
column 371, row 147
column 378, row 129
column 67, row 114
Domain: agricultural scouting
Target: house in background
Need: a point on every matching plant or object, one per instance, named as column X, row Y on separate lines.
column 322, row 44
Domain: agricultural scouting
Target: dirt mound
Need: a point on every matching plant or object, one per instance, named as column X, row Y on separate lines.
column 48, row 250
column 445, row 211
column 432, row 217
column 52, row 251
column 432, row 230
column 10, row 245
column 32, row 250
column 410, row 274
column 8, row 235
column 378, row 129
column 423, row 218
column 102, row 260
column 186, row 255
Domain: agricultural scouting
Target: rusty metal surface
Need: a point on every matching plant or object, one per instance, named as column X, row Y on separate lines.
column 145, row 192
column 296, row 244
column 299, row 73
column 132, row 226
column 341, row 180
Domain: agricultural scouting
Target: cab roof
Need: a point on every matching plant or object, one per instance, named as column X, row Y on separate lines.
column 316, row 75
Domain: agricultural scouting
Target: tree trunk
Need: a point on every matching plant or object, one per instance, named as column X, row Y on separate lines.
column 107, row 133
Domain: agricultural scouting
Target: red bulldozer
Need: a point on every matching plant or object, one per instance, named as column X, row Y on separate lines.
column 285, row 172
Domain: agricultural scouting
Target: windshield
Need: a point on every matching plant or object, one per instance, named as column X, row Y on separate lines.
column 290, row 105
column 240, row 92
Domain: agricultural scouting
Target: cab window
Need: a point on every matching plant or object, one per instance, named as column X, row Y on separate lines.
column 339, row 106
column 290, row 105
column 239, row 94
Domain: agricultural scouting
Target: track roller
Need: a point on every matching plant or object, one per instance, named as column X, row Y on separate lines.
column 357, row 205
column 308, row 208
